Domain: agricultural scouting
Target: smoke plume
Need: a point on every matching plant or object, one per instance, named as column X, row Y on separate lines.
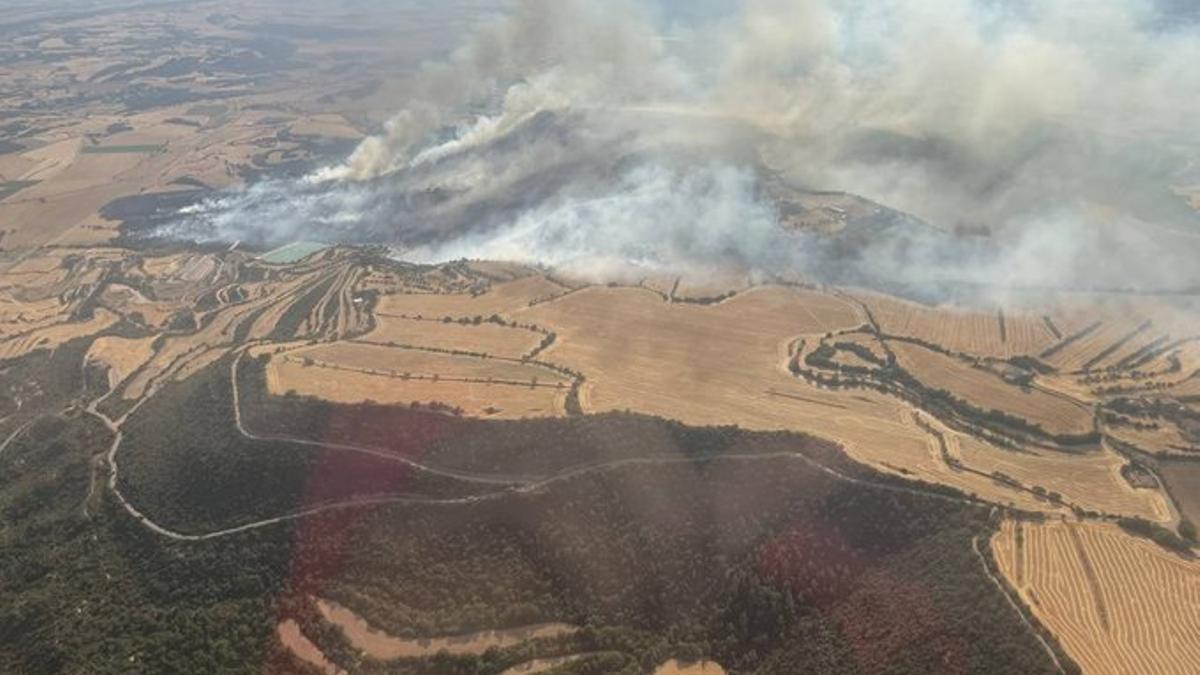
column 995, row 143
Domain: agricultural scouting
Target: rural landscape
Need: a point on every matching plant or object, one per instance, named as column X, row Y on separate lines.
column 233, row 441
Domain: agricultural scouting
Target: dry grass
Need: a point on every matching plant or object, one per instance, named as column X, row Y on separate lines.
column 1054, row 413
column 1116, row 603
column 379, row 645
column 52, row 336
column 122, row 356
column 485, row 338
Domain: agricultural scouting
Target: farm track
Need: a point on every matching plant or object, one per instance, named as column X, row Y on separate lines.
column 431, row 377
column 1149, row 622
column 463, row 476
column 513, row 487
column 15, row 435
column 1017, row 607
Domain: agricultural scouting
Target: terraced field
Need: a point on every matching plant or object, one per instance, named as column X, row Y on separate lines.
column 1117, row 604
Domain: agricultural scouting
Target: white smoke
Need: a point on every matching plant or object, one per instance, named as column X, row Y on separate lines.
column 1051, row 129
column 656, row 221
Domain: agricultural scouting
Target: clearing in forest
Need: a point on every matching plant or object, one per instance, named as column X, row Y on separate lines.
column 380, row 645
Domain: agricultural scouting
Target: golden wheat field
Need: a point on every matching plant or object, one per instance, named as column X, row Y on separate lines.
column 1091, row 480
column 1054, row 413
column 1116, row 603
column 122, row 356
column 398, row 361
column 51, row 336
column 502, row 298
column 486, row 338
column 997, row 333
column 1091, row 346
column 725, row 364
column 476, row 399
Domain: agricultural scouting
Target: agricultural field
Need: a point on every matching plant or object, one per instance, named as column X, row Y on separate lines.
column 1055, row 413
column 1090, row 480
column 485, row 338
column 698, row 380
column 503, row 298
column 1117, row 604
column 323, row 459
column 1183, row 479
column 120, row 357
column 396, row 361
column 996, row 333
column 473, row 398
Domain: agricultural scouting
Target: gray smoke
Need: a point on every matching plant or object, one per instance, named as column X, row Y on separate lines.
column 1010, row 143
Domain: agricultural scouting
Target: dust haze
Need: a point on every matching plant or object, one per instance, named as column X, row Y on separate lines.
column 994, row 144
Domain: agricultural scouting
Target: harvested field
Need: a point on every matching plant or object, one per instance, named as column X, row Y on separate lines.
column 496, row 401
column 1117, row 604
column 1092, row 480
column 1054, row 413
column 1188, row 389
column 22, row 317
column 1166, row 439
column 725, row 364
column 486, row 338
column 1183, row 481
column 379, row 645
column 56, row 334
column 995, row 333
column 122, row 356
column 394, row 361
column 1094, row 344
column 122, row 149
column 503, row 298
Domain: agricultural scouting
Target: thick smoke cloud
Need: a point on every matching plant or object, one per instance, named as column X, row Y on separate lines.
column 1033, row 144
